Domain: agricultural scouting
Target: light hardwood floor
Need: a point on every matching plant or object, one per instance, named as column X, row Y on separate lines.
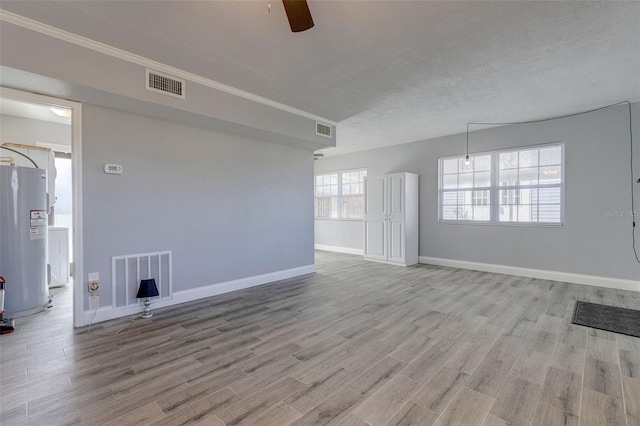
column 357, row 343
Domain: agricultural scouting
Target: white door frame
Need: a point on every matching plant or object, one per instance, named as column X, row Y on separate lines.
column 76, row 169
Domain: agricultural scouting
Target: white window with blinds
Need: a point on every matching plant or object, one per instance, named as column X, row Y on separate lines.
column 340, row 195
column 515, row 186
column 465, row 193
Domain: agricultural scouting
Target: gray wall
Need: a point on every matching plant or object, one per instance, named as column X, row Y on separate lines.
column 597, row 180
column 227, row 206
column 35, row 62
column 28, row 131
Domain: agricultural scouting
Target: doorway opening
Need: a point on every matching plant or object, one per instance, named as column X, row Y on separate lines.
column 48, row 130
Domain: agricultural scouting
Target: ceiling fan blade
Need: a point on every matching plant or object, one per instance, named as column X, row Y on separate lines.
column 298, row 14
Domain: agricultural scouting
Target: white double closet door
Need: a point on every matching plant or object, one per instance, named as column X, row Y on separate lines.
column 385, row 217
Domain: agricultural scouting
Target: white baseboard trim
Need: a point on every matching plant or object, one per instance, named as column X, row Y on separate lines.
column 226, row 287
column 106, row 313
column 338, row 249
column 388, row 262
column 568, row 277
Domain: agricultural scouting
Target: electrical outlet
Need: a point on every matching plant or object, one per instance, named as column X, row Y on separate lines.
column 94, row 282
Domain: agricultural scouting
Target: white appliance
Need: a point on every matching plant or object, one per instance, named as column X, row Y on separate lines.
column 59, row 256
column 23, row 239
column 43, row 157
column 391, row 218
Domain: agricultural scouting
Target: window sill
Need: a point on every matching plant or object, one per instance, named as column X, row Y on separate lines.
column 338, row 219
column 509, row 224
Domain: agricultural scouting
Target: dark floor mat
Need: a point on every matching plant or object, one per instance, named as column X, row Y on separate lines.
column 610, row 318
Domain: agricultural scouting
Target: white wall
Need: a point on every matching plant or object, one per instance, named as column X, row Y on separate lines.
column 28, row 131
column 228, row 207
column 597, row 180
column 336, row 233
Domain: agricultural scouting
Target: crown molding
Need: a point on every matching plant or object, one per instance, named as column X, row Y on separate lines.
column 105, row 49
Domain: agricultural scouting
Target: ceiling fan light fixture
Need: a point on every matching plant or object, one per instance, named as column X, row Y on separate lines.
column 61, row 112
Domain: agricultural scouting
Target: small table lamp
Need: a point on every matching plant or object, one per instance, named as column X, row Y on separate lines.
column 146, row 291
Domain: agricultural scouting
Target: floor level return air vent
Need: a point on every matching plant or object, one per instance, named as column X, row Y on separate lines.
column 127, row 271
column 166, row 84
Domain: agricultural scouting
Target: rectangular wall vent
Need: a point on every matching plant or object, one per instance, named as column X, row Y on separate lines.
column 323, row 130
column 127, row 271
column 166, row 84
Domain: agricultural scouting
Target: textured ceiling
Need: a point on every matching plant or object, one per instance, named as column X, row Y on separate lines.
column 389, row 72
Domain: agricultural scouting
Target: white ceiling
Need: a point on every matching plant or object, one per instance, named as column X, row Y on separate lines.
column 389, row 72
column 32, row 111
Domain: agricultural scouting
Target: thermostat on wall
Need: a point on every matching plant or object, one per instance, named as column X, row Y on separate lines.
column 113, row 169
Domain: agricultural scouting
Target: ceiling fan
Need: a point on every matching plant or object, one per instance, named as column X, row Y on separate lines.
column 298, row 14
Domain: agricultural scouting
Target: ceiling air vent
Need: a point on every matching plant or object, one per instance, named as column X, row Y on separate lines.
column 166, row 84
column 323, row 130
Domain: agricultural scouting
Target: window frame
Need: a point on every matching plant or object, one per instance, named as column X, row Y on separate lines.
column 339, row 195
column 495, row 188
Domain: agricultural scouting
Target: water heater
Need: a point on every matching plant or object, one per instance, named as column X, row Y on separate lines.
column 23, row 239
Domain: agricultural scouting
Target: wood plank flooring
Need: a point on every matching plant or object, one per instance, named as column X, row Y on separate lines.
column 357, row 343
